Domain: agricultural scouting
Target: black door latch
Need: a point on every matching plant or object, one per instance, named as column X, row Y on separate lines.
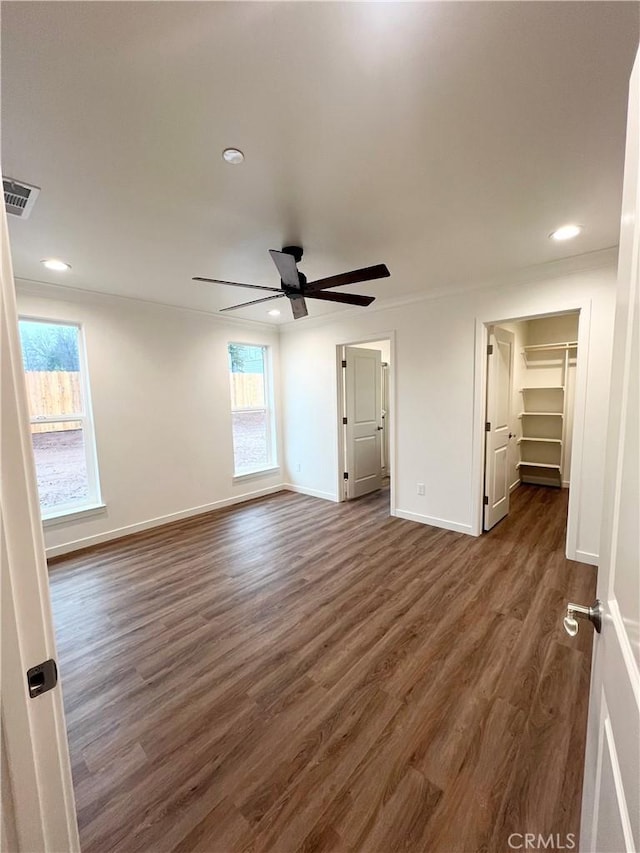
column 42, row 678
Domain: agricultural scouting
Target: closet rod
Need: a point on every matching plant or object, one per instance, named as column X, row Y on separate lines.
column 561, row 345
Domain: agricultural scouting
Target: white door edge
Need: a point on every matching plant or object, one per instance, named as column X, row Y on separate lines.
column 625, row 820
column 625, row 647
column 33, row 729
column 611, row 791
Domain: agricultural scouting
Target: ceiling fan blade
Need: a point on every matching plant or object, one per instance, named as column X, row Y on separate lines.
column 298, row 306
column 235, row 283
column 286, row 267
column 347, row 298
column 353, row 277
column 254, row 302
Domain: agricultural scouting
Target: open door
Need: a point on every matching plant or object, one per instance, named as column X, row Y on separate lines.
column 363, row 429
column 611, row 793
column 498, row 425
column 38, row 809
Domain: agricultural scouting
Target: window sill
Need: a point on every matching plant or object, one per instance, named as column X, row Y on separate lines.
column 258, row 472
column 65, row 515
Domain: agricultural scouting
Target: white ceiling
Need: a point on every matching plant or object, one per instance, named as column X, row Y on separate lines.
column 444, row 139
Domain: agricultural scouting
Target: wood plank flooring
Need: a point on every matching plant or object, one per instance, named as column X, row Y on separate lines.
column 296, row 675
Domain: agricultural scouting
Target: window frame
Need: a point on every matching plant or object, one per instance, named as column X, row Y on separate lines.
column 93, row 501
column 268, row 408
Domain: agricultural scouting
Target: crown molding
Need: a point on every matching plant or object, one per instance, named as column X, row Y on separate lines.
column 572, row 265
column 47, row 290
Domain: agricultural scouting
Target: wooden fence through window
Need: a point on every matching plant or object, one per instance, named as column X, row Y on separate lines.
column 53, row 393
column 247, row 390
column 58, row 392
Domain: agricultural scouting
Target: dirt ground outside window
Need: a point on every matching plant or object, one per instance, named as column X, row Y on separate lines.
column 249, row 441
column 61, row 467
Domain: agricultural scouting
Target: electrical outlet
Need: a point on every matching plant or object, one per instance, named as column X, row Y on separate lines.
column 421, row 488
column 298, row 468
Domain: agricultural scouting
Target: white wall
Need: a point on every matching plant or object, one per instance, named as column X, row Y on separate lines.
column 435, row 393
column 160, row 392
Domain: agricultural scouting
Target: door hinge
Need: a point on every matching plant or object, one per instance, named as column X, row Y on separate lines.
column 345, row 476
column 487, row 427
column 344, row 362
column 486, row 501
column 490, row 349
column 344, row 421
column 42, row 677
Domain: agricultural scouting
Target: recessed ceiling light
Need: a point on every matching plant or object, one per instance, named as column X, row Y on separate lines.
column 233, row 156
column 55, row 264
column 566, row 232
column 274, row 312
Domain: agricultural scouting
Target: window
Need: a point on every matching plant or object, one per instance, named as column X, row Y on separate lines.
column 61, row 428
column 251, row 409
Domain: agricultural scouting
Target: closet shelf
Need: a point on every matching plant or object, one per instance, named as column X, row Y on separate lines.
column 545, row 440
column 544, row 409
column 542, row 414
column 537, row 465
column 560, row 345
column 543, row 388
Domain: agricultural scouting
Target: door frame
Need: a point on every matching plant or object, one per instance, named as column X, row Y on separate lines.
column 583, row 309
column 367, row 339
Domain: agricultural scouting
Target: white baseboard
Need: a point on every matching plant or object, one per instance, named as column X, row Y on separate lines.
column 119, row 532
column 434, row 522
column 313, row 493
column 565, row 484
column 514, row 486
column 586, row 557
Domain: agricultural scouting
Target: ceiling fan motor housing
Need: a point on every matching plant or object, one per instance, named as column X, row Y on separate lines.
column 296, row 251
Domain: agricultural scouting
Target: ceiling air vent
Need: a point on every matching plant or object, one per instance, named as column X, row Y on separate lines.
column 19, row 197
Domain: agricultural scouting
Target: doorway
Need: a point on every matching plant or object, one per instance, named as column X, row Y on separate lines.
column 365, row 424
column 530, row 396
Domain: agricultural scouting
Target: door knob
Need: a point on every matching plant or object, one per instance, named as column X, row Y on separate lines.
column 593, row 614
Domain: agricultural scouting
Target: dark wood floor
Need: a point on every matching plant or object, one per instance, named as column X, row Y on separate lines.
column 296, row 675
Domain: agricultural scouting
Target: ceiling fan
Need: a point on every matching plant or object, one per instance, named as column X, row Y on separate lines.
column 294, row 284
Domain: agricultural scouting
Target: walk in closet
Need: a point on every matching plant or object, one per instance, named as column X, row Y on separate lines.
column 546, row 375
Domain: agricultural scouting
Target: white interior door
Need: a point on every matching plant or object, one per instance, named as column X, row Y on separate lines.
column 498, row 426
column 611, row 794
column 38, row 809
column 363, row 430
